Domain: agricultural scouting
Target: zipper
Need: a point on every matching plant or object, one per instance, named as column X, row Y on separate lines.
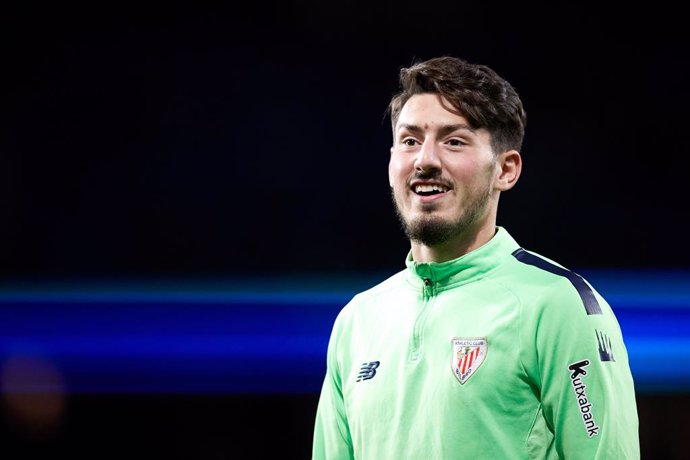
column 428, row 293
column 428, row 286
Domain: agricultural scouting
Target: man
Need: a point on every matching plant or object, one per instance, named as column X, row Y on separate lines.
column 479, row 349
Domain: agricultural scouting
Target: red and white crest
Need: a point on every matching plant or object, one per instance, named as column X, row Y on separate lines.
column 468, row 355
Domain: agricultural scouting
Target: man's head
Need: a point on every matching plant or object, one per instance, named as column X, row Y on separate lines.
column 457, row 131
column 475, row 91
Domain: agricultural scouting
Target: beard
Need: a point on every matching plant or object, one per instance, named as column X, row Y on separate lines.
column 431, row 230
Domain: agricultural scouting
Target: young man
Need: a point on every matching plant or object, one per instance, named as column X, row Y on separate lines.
column 479, row 349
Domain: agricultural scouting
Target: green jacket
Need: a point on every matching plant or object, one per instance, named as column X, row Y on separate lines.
column 499, row 354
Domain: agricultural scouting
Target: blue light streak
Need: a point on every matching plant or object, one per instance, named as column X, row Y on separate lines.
column 247, row 339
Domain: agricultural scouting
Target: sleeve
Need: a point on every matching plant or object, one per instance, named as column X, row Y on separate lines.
column 332, row 440
column 586, row 385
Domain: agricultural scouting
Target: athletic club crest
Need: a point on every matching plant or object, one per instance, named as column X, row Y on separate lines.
column 468, row 355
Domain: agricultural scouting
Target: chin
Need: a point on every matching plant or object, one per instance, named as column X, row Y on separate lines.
column 432, row 216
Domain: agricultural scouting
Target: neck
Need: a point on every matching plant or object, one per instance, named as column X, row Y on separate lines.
column 458, row 246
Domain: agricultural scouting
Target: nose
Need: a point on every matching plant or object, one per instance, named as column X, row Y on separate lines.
column 428, row 158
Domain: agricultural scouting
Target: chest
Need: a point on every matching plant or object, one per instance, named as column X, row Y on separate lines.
column 458, row 350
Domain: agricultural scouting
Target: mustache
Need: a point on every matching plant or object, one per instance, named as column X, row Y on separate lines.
column 429, row 174
column 433, row 174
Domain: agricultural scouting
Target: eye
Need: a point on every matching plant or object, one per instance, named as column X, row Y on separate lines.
column 409, row 141
column 456, row 142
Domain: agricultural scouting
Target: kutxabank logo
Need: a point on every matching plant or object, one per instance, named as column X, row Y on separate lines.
column 577, row 372
column 468, row 355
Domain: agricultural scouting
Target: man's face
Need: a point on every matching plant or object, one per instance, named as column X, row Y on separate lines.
column 441, row 172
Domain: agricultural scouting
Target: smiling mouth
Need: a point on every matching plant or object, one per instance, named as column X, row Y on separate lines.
column 429, row 189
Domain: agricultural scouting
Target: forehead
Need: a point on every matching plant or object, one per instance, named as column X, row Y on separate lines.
column 428, row 111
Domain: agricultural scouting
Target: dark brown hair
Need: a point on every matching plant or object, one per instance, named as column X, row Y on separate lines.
column 474, row 91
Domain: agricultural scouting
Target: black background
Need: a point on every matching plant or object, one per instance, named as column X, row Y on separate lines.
column 192, row 139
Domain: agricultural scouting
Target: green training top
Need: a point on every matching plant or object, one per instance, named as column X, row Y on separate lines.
column 498, row 354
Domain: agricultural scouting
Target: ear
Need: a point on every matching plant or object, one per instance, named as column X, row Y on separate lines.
column 509, row 168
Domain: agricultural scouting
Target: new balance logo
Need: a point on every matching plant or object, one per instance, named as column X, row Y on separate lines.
column 368, row 370
column 605, row 350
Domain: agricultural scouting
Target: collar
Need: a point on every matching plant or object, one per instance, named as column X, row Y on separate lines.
column 467, row 268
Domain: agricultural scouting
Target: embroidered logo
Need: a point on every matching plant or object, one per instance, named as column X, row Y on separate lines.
column 368, row 370
column 605, row 350
column 468, row 355
column 577, row 371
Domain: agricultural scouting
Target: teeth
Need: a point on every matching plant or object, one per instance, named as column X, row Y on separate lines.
column 430, row 188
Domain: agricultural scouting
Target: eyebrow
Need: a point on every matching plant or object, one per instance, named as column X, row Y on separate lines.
column 443, row 130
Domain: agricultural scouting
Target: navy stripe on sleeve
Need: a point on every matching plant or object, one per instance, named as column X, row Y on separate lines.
column 590, row 302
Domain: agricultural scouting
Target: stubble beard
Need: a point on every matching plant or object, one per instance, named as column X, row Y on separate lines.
column 431, row 230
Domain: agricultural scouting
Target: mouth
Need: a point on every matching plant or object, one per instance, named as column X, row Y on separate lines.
column 429, row 189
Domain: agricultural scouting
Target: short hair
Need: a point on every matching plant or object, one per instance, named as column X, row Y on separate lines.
column 474, row 91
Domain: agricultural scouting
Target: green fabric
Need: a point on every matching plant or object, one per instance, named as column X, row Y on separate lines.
column 517, row 399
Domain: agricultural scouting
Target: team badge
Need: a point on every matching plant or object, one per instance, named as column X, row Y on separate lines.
column 468, row 355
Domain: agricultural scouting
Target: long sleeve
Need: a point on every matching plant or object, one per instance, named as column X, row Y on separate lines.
column 332, row 439
column 587, row 389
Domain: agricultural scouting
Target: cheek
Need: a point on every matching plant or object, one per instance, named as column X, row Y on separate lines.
column 396, row 172
column 472, row 172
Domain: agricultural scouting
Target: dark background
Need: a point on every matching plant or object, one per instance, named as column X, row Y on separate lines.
column 191, row 140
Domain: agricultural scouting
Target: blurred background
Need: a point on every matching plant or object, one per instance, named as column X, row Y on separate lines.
column 191, row 191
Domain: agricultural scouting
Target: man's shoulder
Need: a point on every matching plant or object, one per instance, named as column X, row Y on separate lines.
column 540, row 280
column 531, row 265
column 390, row 284
column 378, row 294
